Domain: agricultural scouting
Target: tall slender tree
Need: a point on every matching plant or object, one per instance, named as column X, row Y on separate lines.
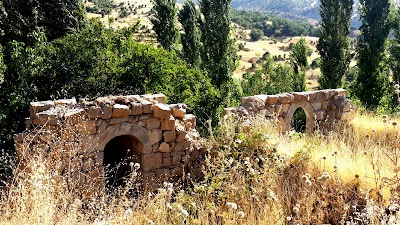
column 375, row 28
column 333, row 44
column 191, row 38
column 164, row 23
column 394, row 48
column 219, row 55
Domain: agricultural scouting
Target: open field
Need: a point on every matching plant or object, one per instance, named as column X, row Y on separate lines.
column 253, row 175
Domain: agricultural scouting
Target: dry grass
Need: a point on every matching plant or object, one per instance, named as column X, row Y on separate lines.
column 253, row 175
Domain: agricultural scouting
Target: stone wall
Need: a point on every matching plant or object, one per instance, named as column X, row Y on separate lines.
column 323, row 108
column 164, row 134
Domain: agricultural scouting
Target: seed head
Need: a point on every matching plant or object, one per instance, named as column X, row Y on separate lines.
column 240, row 214
column 394, row 123
column 397, row 86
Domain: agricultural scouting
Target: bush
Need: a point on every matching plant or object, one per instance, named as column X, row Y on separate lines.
column 256, row 34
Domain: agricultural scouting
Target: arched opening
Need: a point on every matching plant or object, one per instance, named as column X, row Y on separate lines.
column 299, row 120
column 119, row 153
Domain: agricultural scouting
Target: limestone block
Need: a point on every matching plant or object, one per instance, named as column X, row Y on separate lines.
column 166, row 155
column 285, row 108
column 101, row 126
column 160, row 98
column 141, row 123
column 324, row 105
column 99, row 158
column 320, row 115
column 176, row 160
column 153, row 123
column 36, row 107
column 147, row 149
column 164, row 147
column 86, row 127
column 180, row 136
column 48, row 118
column 333, row 93
column 327, row 94
column 155, row 147
column 168, row 124
column 319, row 96
column 167, row 161
column 161, row 111
column 312, row 96
column 177, row 171
column 66, row 102
column 341, row 92
column 272, row 99
column 114, row 121
column 163, row 173
column 190, row 118
column 317, row 106
column 262, row 97
column 120, row 111
column 300, row 97
column 147, row 106
column 155, row 136
column 107, row 111
column 178, row 110
column 286, row 98
column 136, row 109
column 151, row 161
column 270, row 110
column 94, row 112
column 145, row 117
column 169, row 136
column 179, row 147
column 253, row 104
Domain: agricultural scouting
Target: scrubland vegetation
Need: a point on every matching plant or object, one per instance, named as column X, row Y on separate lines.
column 252, row 175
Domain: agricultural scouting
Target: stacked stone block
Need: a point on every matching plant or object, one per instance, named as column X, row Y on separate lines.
column 324, row 107
column 166, row 133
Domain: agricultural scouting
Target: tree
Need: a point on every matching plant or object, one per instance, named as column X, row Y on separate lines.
column 256, row 34
column 164, row 23
column 59, row 17
column 333, row 44
column 299, row 55
column 219, row 55
column 394, row 48
column 375, row 28
column 191, row 38
column 19, row 19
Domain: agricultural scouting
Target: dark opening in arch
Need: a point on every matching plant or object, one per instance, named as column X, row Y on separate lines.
column 299, row 121
column 118, row 154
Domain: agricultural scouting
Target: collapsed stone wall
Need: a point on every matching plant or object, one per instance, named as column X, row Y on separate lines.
column 323, row 108
column 165, row 136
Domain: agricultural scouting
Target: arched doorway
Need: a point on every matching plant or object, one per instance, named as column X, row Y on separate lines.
column 299, row 121
column 119, row 153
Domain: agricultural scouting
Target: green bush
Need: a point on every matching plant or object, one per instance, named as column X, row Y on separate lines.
column 256, row 34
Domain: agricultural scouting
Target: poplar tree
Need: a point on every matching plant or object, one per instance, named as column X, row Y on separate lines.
column 375, row 28
column 191, row 38
column 333, row 44
column 219, row 54
column 164, row 23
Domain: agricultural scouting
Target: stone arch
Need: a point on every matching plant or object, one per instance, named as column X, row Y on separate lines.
column 130, row 129
column 119, row 153
column 310, row 114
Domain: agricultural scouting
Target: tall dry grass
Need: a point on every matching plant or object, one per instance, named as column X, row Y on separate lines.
column 252, row 175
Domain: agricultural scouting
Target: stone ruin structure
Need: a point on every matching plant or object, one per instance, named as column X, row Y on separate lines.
column 323, row 108
column 94, row 134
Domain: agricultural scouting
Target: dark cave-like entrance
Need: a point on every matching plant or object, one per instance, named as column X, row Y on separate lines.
column 299, row 121
column 119, row 153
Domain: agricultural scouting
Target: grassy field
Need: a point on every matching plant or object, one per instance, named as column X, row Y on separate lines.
column 253, row 175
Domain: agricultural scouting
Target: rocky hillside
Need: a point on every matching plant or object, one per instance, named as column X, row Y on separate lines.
column 292, row 9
